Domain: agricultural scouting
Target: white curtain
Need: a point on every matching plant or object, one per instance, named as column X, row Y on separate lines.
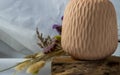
column 117, row 7
column 19, row 19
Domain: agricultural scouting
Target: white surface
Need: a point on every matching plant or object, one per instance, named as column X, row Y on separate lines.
column 117, row 52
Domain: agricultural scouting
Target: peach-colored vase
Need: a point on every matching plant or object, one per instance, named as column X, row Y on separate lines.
column 89, row 30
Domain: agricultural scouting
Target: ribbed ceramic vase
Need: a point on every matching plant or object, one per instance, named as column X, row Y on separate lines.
column 89, row 30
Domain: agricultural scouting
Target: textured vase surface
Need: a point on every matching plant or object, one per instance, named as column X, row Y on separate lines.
column 89, row 29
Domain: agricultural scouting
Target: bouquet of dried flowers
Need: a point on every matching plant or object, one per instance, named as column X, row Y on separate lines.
column 51, row 47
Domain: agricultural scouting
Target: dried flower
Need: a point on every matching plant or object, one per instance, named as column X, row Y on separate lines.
column 34, row 68
column 58, row 37
column 58, row 28
column 49, row 48
column 40, row 54
column 22, row 66
column 43, row 41
column 62, row 17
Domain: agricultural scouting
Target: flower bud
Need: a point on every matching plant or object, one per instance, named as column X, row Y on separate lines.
column 34, row 68
column 22, row 66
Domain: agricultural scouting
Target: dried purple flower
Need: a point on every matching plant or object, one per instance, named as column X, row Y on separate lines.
column 58, row 28
column 49, row 48
column 62, row 17
column 52, row 46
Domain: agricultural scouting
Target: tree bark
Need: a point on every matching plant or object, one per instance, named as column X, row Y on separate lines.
column 65, row 65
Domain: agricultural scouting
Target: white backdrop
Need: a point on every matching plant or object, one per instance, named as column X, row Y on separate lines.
column 19, row 19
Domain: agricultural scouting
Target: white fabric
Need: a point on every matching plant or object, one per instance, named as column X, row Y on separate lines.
column 19, row 19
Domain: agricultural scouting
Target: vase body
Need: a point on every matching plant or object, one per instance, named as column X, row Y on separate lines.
column 89, row 30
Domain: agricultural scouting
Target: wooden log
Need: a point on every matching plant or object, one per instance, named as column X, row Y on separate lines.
column 65, row 65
